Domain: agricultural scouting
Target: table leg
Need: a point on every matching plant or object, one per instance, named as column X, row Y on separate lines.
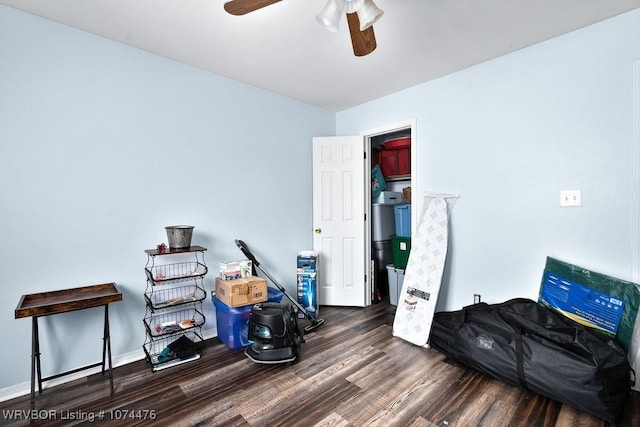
column 106, row 347
column 36, row 373
column 34, row 349
column 105, row 333
column 38, row 367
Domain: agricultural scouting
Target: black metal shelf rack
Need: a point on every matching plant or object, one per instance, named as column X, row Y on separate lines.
column 173, row 298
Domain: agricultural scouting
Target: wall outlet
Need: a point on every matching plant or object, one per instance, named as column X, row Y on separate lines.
column 476, row 298
column 571, row 198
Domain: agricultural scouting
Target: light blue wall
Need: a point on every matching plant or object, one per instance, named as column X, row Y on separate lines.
column 508, row 135
column 101, row 146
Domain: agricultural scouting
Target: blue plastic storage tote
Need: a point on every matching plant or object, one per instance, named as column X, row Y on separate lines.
column 233, row 322
column 403, row 219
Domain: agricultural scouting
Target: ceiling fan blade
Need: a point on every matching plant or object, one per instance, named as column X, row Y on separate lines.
column 241, row 7
column 364, row 42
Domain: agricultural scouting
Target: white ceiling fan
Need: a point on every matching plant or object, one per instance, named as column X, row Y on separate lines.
column 361, row 15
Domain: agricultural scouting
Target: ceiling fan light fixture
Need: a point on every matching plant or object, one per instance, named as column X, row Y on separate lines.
column 368, row 14
column 349, row 6
column 330, row 16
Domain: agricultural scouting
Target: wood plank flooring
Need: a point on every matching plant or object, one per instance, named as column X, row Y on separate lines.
column 351, row 372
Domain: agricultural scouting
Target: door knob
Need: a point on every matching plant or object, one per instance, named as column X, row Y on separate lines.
column 318, row 230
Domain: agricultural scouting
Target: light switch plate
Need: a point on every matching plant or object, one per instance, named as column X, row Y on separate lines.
column 571, row 198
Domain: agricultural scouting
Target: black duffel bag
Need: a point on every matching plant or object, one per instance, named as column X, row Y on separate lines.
column 523, row 343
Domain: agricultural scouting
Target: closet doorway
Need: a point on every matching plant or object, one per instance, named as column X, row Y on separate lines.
column 342, row 212
column 391, row 152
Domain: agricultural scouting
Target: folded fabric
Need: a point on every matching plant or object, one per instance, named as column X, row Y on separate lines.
column 183, row 347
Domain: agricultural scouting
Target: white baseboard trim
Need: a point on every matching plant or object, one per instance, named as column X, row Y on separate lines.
column 207, row 334
column 23, row 389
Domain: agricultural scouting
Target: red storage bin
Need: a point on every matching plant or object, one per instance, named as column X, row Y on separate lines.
column 395, row 157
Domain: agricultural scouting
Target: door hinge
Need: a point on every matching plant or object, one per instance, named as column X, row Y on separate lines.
column 365, row 217
column 365, row 155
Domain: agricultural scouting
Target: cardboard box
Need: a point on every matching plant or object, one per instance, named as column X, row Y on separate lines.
column 238, row 292
column 235, row 269
column 406, row 195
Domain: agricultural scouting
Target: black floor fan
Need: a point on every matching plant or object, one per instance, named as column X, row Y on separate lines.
column 314, row 321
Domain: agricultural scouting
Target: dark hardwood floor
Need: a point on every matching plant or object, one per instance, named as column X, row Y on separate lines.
column 351, row 372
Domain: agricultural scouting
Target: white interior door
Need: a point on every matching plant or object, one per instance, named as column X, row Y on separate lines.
column 339, row 219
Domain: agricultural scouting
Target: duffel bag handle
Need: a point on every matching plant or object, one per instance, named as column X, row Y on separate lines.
column 481, row 306
column 566, row 336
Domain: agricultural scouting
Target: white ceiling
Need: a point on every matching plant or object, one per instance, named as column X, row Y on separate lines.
column 282, row 48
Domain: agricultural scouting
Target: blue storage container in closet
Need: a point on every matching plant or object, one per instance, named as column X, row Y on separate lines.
column 403, row 219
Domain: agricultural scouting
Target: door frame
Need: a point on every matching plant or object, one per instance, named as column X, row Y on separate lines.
column 368, row 135
column 635, row 176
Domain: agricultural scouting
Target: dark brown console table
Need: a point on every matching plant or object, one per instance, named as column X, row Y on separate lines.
column 63, row 301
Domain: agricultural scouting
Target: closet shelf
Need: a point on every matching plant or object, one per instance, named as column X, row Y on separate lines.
column 397, row 178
